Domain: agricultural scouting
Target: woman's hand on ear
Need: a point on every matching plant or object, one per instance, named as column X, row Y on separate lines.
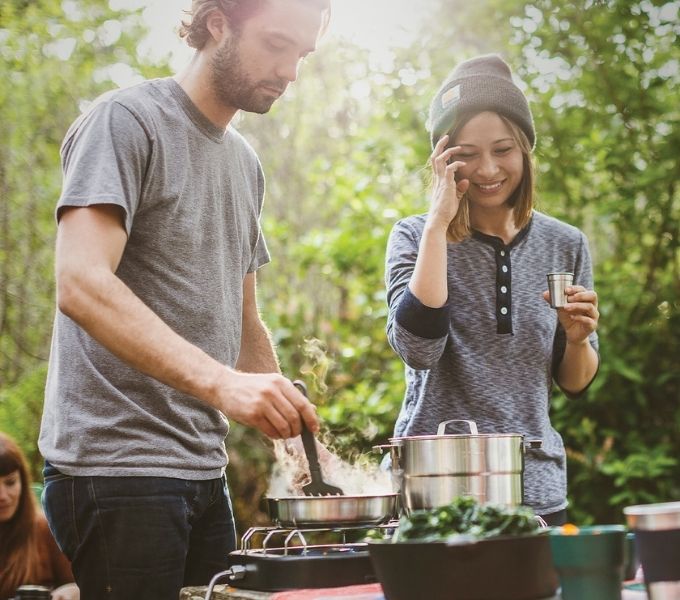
column 447, row 192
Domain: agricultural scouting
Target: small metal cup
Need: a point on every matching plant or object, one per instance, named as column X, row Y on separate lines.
column 657, row 542
column 32, row 592
column 557, row 285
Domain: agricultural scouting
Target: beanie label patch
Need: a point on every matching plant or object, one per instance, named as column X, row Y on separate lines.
column 451, row 96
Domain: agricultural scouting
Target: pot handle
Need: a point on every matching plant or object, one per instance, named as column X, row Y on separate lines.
column 471, row 424
column 382, row 447
column 533, row 444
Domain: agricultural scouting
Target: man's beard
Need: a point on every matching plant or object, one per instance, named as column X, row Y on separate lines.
column 233, row 87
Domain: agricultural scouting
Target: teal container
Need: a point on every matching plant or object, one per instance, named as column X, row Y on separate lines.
column 631, row 561
column 590, row 563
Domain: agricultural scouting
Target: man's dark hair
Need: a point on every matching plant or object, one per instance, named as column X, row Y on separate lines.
column 195, row 29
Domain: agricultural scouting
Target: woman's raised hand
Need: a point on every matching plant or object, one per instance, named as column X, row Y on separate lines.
column 447, row 193
column 580, row 316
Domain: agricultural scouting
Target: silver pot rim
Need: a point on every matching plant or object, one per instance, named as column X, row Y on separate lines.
column 442, row 435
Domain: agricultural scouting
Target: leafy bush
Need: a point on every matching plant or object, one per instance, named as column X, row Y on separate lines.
column 345, row 152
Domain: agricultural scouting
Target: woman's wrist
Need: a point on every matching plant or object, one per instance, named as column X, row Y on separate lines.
column 435, row 230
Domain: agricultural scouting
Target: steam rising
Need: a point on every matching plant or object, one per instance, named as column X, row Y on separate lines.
column 291, row 472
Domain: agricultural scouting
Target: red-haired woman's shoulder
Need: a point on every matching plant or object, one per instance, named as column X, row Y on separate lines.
column 42, row 528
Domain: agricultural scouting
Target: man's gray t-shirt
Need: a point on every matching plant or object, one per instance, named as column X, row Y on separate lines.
column 192, row 196
column 489, row 355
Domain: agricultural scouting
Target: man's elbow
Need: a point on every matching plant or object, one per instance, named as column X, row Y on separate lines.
column 72, row 285
column 67, row 291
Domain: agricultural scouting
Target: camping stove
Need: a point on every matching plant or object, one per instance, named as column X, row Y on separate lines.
column 273, row 559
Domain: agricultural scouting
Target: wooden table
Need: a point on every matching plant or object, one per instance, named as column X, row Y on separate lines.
column 225, row 592
column 363, row 592
column 222, row 592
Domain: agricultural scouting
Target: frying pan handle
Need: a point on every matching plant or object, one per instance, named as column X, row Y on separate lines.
column 309, row 444
column 382, row 447
column 302, row 386
column 308, row 441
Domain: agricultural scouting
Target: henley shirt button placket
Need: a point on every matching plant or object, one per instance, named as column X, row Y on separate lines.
column 503, row 285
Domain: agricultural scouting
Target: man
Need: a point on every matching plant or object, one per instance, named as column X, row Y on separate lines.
column 158, row 337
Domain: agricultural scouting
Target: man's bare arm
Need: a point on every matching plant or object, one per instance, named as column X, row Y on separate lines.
column 257, row 353
column 90, row 244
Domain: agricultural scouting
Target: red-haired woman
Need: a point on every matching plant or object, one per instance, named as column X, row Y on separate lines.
column 28, row 552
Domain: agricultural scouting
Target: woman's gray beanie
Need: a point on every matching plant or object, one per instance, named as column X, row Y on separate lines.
column 475, row 85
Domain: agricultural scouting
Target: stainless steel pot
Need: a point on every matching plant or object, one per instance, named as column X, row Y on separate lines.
column 332, row 511
column 431, row 470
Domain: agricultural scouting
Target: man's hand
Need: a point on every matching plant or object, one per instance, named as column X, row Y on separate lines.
column 268, row 402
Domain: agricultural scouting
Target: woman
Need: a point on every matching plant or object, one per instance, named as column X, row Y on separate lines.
column 28, row 552
column 469, row 313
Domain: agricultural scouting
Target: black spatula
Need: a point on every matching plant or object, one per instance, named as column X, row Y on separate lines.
column 317, row 487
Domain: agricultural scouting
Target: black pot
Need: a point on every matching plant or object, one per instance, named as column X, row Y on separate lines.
column 503, row 568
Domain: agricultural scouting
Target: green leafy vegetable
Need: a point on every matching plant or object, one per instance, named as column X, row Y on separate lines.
column 465, row 516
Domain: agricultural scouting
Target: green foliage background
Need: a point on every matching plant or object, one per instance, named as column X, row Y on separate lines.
column 345, row 154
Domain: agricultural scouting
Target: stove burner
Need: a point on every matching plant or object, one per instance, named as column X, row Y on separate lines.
column 289, row 538
column 309, row 551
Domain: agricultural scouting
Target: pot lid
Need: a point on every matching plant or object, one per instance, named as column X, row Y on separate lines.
column 449, row 436
column 441, row 433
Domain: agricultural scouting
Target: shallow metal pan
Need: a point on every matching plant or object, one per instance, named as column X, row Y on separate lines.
column 332, row 511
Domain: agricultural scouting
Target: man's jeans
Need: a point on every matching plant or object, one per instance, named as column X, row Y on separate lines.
column 139, row 538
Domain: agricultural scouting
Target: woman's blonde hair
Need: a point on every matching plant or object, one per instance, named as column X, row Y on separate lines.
column 522, row 199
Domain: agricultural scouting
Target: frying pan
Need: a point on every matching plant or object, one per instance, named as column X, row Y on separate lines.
column 332, row 511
